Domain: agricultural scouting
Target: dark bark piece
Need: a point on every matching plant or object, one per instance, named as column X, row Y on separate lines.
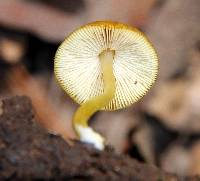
column 28, row 152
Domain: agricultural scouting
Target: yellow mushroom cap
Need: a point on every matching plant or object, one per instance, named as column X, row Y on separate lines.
column 78, row 69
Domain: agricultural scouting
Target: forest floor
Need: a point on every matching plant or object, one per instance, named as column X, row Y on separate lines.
column 28, row 152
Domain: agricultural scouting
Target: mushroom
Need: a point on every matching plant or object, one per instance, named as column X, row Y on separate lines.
column 104, row 66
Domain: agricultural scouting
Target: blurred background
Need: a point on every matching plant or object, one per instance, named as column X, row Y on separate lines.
column 164, row 127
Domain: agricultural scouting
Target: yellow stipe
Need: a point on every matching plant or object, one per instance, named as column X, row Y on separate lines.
column 87, row 109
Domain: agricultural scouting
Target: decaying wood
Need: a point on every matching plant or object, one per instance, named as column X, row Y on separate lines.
column 27, row 152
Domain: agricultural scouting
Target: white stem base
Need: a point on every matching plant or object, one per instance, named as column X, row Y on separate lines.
column 88, row 135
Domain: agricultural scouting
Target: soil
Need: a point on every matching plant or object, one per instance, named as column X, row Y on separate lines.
column 28, row 152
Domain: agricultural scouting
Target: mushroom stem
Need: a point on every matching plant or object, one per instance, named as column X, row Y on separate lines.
column 86, row 110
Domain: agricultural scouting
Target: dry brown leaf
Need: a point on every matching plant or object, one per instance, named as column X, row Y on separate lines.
column 24, row 84
column 195, row 159
column 134, row 12
column 47, row 22
column 1, row 107
column 143, row 138
column 115, row 126
column 53, row 25
column 173, row 31
column 176, row 103
column 181, row 160
column 11, row 50
column 176, row 160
